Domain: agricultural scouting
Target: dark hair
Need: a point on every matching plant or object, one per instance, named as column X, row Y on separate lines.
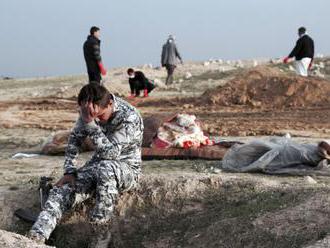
column 93, row 30
column 95, row 93
column 302, row 30
column 130, row 70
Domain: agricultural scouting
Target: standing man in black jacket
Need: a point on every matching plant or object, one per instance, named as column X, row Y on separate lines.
column 92, row 54
column 303, row 52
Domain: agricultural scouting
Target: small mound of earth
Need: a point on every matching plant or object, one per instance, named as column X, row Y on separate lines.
column 269, row 87
column 13, row 240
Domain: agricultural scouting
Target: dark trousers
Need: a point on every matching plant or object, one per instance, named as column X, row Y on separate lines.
column 137, row 86
column 170, row 71
column 94, row 77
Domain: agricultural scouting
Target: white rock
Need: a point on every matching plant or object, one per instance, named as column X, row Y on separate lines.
column 319, row 55
column 147, row 66
column 277, row 61
column 291, row 68
column 220, row 61
column 180, row 80
column 287, row 135
column 159, row 83
column 206, row 63
column 310, row 180
column 188, row 75
column 239, row 64
column 317, row 73
column 255, row 63
column 212, row 61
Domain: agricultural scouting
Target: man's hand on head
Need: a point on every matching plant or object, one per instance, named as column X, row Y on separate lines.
column 66, row 179
column 88, row 112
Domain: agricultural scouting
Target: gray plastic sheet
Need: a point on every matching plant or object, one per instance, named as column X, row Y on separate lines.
column 276, row 155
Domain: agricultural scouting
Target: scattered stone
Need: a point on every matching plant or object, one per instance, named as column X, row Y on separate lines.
column 13, row 240
column 287, row 135
column 318, row 73
column 217, row 171
column 147, row 66
column 321, row 65
column 221, row 69
column 159, row 83
column 255, row 103
column 319, row 55
column 206, row 63
column 291, row 68
column 188, row 75
column 255, row 63
column 310, row 180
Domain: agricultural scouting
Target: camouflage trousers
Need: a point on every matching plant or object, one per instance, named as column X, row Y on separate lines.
column 104, row 179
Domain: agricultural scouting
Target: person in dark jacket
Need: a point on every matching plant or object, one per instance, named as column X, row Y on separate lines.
column 92, row 54
column 169, row 59
column 303, row 52
column 137, row 82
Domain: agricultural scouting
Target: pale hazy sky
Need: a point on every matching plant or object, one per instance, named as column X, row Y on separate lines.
column 45, row 37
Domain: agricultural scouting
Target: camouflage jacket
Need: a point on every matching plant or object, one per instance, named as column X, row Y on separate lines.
column 119, row 139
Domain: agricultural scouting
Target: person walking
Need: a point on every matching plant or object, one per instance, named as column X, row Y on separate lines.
column 92, row 54
column 303, row 53
column 170, row 57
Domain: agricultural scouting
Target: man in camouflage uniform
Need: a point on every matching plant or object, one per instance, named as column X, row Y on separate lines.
column 116, row 130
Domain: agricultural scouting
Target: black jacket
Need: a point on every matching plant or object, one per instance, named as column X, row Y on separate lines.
column 304, row 48
column 140, row 82
column 92, row 54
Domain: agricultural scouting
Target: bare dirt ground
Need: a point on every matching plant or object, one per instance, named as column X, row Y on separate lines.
column 179, row 203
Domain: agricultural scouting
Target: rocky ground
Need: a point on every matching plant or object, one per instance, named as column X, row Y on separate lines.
column 179, row 203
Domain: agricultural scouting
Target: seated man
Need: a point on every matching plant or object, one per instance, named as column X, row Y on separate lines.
column 137, row 82
column 115, row 129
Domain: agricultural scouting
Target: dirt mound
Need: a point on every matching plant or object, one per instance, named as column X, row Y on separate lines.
column 13, row 240
column 269, row 87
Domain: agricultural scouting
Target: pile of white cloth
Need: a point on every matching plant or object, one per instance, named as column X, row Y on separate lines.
column 183, row 131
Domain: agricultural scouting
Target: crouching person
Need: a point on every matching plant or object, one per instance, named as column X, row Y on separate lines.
column 137, row 82
column 116, row 129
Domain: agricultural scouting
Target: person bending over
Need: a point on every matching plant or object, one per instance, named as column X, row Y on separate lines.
column 137, row 82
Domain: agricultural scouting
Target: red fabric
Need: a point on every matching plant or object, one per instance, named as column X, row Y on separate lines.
column 310, row 65
column 145, row 93
column 160, row 143
column 102, row 69
column 188, row 144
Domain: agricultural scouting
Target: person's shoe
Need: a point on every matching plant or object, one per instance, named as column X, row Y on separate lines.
column 36, row 237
